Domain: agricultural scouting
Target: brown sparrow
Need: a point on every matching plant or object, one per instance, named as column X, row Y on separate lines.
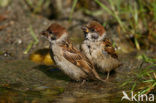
column 98, row 48
column 71, row 61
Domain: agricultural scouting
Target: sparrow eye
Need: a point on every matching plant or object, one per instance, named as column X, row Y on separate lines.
column 92, row 30
column 50, row 32
column 53, row 38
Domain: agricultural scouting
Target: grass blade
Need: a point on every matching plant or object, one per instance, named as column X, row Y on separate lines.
column 33, row 35
column 112, row 12
column 72, row 10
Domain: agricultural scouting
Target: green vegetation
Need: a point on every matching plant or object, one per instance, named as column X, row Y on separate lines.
column 144, row 79
column 136, row 19
column 4, row 3
column 37, row 6
column 32, row 42
column 72, row 10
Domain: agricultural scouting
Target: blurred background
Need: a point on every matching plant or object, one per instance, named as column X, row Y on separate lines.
column 26, row 69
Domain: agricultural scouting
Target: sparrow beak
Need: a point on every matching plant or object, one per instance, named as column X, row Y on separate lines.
column 45, row 34
column 85, row 29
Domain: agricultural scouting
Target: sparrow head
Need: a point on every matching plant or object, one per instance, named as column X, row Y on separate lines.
column 55, row 33
column 94, row 31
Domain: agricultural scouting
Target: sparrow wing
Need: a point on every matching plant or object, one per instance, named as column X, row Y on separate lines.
column 108, row 48
column 77, row 58
column 80, row 60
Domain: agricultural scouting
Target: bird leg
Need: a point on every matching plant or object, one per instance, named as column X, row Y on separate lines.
column 107, row 76
column 83, row 82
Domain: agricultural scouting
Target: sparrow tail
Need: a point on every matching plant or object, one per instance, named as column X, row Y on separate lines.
column 97, row 75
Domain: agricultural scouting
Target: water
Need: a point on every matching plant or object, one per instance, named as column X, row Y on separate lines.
column 22, row 81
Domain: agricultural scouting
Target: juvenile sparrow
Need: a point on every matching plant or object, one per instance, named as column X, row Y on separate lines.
column 98, row 48
column 71, row 61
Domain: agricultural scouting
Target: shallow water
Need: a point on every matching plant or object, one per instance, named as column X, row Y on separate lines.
column 22, row 81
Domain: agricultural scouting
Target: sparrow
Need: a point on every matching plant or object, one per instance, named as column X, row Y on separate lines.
column 98, row 48
column 68, row 59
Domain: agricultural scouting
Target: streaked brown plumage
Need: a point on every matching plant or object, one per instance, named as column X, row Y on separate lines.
column 109, row 48
column 98, row 48
column 71, row 61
